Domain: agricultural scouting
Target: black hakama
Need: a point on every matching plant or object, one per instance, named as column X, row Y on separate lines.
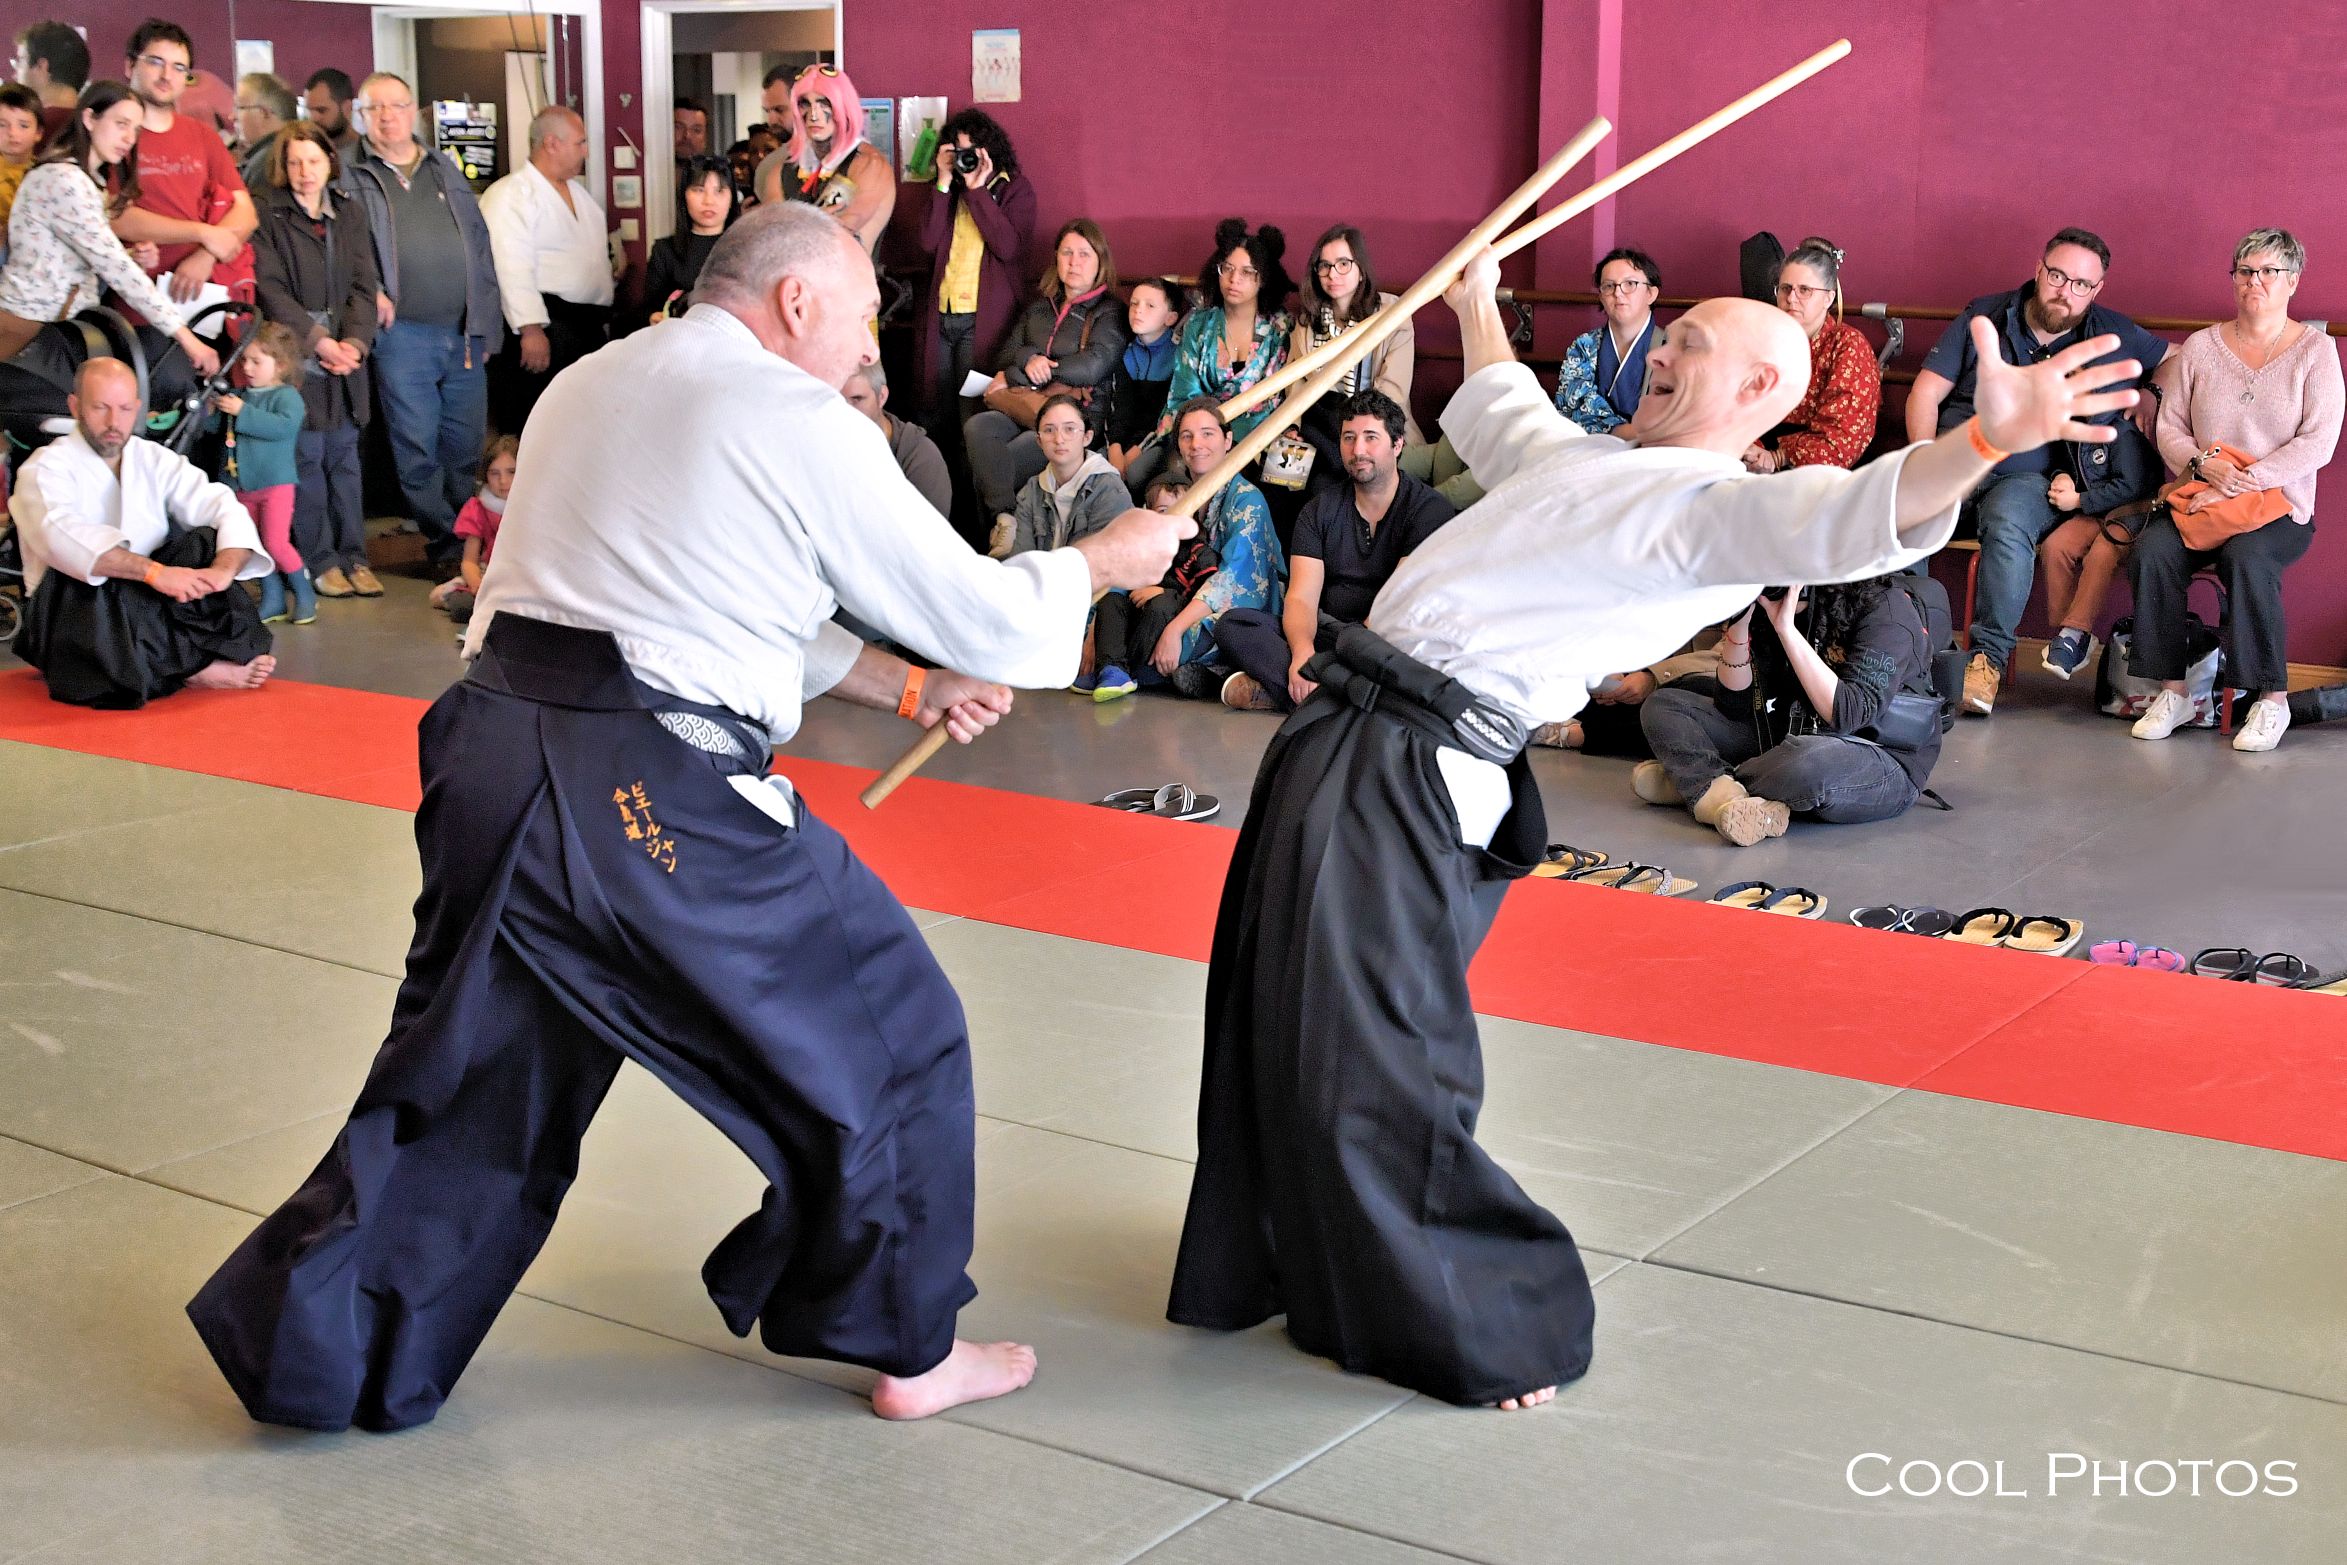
column 1338, row 1177
column 124, row 644
column 595, row 889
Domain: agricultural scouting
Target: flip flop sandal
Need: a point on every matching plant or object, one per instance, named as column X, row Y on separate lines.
column 1794, row 902
column 2281, row 970
column 2160, row 959
column 1983, row 926
column 1930, row 922
column 1137, row 800
column 1563, row 858
column 2044, row 936
column 1745, row 893
column 2324, row 983
column 2233, row 963
column 1634, row 877
column 2114, row 953
column 1176, row 802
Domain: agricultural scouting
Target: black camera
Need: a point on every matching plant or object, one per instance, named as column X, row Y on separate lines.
column 965, row 160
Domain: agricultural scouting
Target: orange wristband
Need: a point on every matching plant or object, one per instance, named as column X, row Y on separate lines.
column 152, row 571
column 1986, row 452
column 910, row 702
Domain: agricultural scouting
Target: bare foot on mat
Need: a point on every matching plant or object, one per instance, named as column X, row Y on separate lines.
column 972, row 1372
column 1540, row 1398
column 225, row 675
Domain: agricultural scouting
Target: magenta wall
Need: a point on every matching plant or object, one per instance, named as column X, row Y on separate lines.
column 307, row 35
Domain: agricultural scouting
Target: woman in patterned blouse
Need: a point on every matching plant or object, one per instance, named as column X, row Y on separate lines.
column 1834, row 424
column 1239, row 334
column 1604, row 373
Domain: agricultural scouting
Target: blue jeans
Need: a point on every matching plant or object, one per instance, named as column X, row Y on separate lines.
column 329, row 518
column 2014, row 516
column 1842, row 782
column 434, row 391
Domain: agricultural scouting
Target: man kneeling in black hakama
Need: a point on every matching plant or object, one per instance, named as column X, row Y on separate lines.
column 610, row 873
column 1338, row 1177
column 131, row 559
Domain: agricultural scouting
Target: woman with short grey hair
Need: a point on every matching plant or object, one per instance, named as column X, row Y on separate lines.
column 2270, row 388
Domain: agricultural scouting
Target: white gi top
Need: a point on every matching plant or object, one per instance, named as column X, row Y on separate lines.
column 709, row 504
column 69, row 508
column 543, row 247
column 1589, row 556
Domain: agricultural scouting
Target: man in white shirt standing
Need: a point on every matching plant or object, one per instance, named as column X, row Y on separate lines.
column 611, row 873
column 131, row 559
column 1338, row 1178
column 553, row 252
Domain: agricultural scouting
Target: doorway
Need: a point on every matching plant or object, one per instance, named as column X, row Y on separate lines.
column 718, row 52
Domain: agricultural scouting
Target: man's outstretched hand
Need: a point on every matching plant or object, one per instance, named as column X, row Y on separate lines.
column 1135, row 550
column 2022, row 407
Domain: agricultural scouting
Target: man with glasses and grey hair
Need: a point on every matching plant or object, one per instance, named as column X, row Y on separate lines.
column 438, row 312
column 2028, row 494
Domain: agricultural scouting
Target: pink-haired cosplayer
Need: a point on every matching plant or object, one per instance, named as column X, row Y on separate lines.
column 826, row 159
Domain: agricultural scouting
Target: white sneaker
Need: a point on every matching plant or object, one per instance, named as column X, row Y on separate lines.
column 1006, row 527
column 2167, row 713
column 2263, row 728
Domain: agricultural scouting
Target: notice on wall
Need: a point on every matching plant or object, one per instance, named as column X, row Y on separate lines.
column 994, row 65
column 255, row 57
column 880, row 122
column 917, row 122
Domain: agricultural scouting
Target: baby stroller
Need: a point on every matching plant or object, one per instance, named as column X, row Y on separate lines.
column 34, row 389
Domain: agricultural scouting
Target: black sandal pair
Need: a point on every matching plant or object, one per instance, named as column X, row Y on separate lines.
column 2235, row 964
column 1761, row 897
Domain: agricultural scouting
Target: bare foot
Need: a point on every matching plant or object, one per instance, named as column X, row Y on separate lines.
column 1538, row 1398
column 225, row 675
column 972, row 1372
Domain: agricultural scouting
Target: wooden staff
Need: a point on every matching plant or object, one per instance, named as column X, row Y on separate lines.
column 1365, row 334
column 1702, row 130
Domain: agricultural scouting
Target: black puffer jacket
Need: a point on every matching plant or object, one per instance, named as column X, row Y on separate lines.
column 1087, row 341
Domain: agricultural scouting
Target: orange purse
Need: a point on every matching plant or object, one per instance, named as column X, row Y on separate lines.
column 2211, row 525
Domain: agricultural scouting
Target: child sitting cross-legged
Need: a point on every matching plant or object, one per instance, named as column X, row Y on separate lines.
column 477, row 525
column 1126, row 627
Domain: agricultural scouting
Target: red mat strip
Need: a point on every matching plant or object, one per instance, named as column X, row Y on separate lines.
column 2224, row 1061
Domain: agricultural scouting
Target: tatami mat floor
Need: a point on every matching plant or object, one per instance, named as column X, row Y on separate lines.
column 1795, row 1269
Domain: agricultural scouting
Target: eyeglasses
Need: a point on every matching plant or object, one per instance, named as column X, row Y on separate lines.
column 1627, row 285
column 1231, row 274
column 395, row 105
column 2081, row 286
column 156, row 62
column 1798, row 293
column 2263, row 274
column 1331, row 268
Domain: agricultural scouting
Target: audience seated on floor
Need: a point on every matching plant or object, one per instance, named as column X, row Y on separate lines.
column 1824, row 708
column 477, row 525
column 1237, row 335
column 1076, row 494
column 1166, row 633
column 1609, row 725
column 1340, row 291
column 1833, row 423
column 917, row 456
column 131, row 561
column 2253, row 414
column 1604, row 371
column 1144, row 371
column 2053, row 310
column 1068, row 340
column 1349, row 540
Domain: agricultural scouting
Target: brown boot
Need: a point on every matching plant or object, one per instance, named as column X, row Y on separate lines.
column 1981, row 682
column 331, row 583
column 1743, row 820
column 363, row 582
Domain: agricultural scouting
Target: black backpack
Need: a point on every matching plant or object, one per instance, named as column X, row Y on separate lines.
column 1947, row 658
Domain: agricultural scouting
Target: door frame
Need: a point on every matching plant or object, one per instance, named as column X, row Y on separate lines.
column 659, row 45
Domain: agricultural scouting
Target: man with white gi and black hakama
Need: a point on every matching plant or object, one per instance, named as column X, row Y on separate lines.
column 610, row 874
column 1338, row 1180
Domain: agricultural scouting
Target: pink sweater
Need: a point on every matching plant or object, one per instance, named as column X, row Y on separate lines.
column 2286, row 415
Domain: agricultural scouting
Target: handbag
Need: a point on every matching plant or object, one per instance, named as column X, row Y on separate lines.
column 2211, row 525
column 1023, row 405
column 2118, row 692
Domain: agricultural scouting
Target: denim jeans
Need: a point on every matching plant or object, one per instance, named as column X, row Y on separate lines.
column 2014, row 516
column 1002, row 458
column 434, row 391
column 1842, row 782
column 329, row 516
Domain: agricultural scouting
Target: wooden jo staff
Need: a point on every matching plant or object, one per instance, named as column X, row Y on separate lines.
column 1349, row 347
column 1328, row 364
column 1370, row 332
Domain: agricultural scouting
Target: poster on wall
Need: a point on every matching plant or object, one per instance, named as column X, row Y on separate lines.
column 917, row 122
column 880, row 121
column 255, row 57
column 994, row 65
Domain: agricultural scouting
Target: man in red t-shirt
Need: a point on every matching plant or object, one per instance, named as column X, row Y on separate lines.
column 192, row 202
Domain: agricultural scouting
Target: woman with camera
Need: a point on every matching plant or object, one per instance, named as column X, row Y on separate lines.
column 977, row 234
column 1825, row 708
